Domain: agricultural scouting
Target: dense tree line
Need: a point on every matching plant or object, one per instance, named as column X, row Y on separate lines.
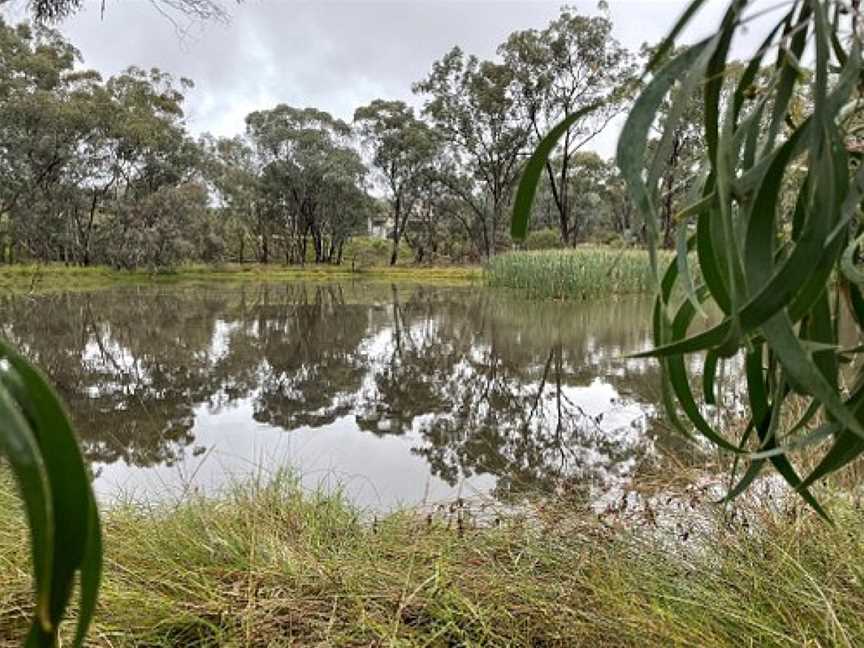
column 94, row 171
column 105, row 171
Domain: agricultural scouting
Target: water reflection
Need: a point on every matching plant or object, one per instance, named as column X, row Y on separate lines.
column 410, row 392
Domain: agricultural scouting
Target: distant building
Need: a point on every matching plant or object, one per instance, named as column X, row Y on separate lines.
column 380, row 223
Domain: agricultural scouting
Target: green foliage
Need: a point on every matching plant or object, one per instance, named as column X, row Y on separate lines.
column 774, row 281
column 310, row 182
column 80, row 156
column 473, row 104
column 780, row 271
column 543, row 239
column 159, row 231
column 367, row 251
column 37, row 440
column 487, row 112
column 101, row 171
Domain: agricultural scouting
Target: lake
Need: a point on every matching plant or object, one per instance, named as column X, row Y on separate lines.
column 400, row 395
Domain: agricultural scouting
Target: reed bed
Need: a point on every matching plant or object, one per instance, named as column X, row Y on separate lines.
column 269, row 565
column 580, row 273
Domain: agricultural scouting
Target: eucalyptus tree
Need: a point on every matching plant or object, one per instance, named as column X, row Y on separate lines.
column 89, row 175
column 623, row 216
column 590, row 207
column 403, row 151
column 163, row 229
column 345, row 207
column 79, row 154
column 230, row 168
column 151, row 168
column 473, row 104
column 151, row 145
column 40, row 126
column 306, row 157
column 571, row 64
column 440, row 224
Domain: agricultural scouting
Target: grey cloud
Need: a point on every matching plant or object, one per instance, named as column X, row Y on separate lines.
column 332, row 55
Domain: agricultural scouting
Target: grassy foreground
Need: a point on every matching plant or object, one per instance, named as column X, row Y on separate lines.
column 22, row 278
column 582, row 272
column 268, row 566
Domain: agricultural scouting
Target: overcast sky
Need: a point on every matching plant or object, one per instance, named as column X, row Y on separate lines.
column 328, row 54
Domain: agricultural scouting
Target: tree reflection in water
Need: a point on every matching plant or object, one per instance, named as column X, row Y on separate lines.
column 477, row 382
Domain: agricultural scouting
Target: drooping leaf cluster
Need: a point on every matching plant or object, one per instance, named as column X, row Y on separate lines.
column 770, row 238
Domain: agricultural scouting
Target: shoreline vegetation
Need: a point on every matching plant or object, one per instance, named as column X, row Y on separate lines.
column 51, row 277
column 585, row 271
column 266, row 564
column 577, row 273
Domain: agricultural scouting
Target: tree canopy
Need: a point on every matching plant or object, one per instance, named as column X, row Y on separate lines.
column 105, row 171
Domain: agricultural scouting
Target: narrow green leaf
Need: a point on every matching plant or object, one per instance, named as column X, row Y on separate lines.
column 19, row 446
column 534, row 169
column 715, row 76
column 633, row 141
column 71, row 493
column 669, row 41
column 789, row 75
column 709, row 377
column 811, row 438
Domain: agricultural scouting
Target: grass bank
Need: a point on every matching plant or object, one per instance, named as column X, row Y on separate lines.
column 586, row 271
column 270, row 566
column 580, row 273
column 24, row 278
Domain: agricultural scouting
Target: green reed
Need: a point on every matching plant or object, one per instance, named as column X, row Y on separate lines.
column 576, row 274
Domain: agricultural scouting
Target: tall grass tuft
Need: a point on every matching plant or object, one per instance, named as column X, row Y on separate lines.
column 265, row 564
column 575, row 274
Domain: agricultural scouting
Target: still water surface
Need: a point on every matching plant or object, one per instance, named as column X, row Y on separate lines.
column 399, row 395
